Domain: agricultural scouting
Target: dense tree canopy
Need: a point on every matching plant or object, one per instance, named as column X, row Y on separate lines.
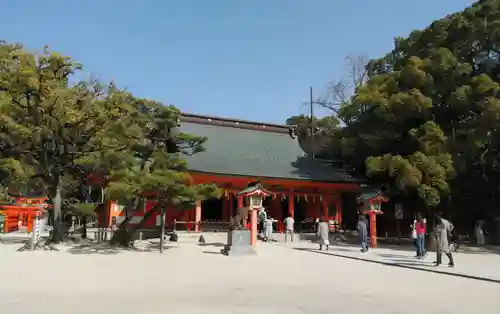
column 426, row 121
column 54, row 134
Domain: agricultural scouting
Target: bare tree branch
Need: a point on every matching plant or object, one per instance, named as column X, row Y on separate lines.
column 339, row 92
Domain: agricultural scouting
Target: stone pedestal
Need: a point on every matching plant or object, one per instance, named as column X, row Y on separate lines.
column 238, row 243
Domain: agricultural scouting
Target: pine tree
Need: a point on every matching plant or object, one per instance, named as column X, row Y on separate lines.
column 46, row 123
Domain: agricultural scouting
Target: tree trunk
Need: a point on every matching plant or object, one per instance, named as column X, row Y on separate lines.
column 84, row 228
column 162, row 231
column 122, row 237
column 57, row 230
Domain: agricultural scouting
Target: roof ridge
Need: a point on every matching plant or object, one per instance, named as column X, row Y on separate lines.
column 226, row 119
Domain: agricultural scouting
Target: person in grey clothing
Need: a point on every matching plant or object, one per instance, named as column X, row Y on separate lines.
column 289, row 227
column 323, row 234
column 442, row 233
column 362, row 228
column 268, row 229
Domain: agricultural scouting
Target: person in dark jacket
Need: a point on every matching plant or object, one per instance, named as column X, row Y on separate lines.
column 362, row 228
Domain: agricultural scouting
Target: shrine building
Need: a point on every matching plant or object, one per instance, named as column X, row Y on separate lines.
column 238, row 152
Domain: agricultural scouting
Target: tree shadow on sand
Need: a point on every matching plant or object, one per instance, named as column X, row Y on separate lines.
column 107, row 249
column 214, row 244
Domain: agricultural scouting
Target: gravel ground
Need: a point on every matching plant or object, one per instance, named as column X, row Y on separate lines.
column 189, row 278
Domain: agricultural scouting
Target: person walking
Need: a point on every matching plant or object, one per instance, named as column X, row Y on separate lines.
column 262, row 220
column 420, row 229
column 362, row 228
column 268, row 229
column 323, row 234
column 479, row 233
column 442, row 234
column 289, row 227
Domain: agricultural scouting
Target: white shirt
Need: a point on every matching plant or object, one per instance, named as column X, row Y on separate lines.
column 289, row 222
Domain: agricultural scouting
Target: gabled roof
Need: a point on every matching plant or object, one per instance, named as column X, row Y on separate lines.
column 244, row 148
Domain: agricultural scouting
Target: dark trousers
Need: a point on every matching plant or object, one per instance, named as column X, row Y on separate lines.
column 439, row 258
column 364, row 242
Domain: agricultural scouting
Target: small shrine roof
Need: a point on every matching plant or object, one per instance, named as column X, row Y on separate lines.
column 253, row 189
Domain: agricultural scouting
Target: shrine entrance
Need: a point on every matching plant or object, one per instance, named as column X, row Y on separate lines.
column 212, row 209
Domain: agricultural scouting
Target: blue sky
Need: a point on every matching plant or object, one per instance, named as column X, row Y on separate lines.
column 247, row 59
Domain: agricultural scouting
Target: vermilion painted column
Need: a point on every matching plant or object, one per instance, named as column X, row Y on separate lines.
column 240, row 201
column 339, row 212
column 325, row 209
column 253, row 227
column 291, row 204
column 373, row 229
column 197, row 216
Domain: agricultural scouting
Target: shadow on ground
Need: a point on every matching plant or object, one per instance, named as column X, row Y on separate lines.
column 213, row 244
column 391, row 255
column 405, row 263
column 212, row 252
column 107, row 249
column 14, row 239
column 403, row 244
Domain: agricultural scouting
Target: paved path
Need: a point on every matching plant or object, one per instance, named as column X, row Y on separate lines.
column 189, row 278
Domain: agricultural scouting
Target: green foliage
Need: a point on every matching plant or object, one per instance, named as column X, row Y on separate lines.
column 54, row 134
column 159, row 168
column 427, row 120
column 83, row 210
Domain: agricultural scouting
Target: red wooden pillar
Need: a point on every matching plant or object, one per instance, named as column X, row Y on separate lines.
column 325, row 208
column 339, row 211
column 291, row 204
column 373, row 228
column 240, row 201
column 197, row 216
column 30, row 218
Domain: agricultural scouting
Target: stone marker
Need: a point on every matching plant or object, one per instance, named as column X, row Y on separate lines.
column 238, row 243
column 201, row 239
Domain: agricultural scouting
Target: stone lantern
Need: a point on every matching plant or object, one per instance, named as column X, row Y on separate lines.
column 371, row 200
column 241, row 241
column 255, row 194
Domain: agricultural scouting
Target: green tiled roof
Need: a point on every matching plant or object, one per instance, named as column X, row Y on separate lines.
column 244, row 152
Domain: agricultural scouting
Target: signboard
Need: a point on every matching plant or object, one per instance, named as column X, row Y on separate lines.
column 398, row 211
column 37, row 229
column 30, row 201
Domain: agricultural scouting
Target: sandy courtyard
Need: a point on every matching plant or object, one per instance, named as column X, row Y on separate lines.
column 191, row 279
